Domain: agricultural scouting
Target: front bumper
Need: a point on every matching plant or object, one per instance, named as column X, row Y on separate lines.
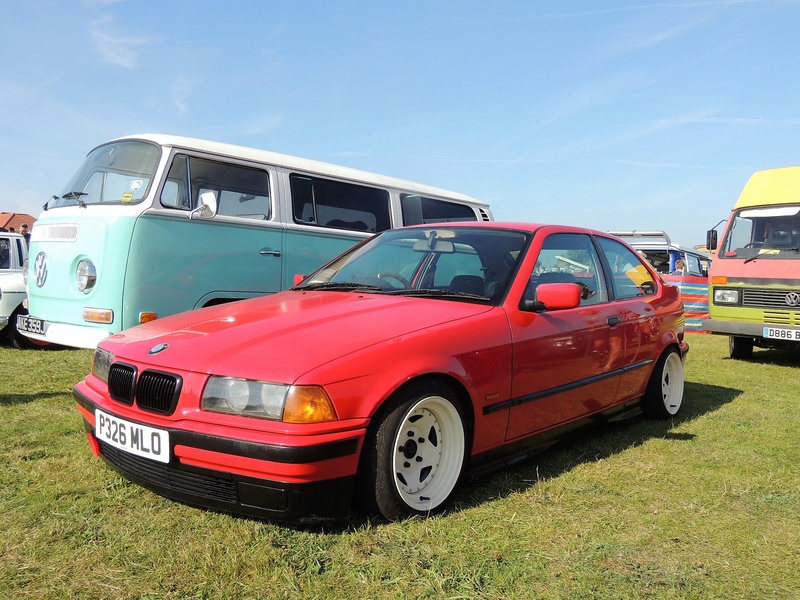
column 305, row 499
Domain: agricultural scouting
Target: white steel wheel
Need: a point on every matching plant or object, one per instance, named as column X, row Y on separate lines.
column 428, row 453
column 664, row 396
column 415, row 453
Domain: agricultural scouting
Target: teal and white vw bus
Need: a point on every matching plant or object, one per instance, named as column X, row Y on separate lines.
column 153, row 225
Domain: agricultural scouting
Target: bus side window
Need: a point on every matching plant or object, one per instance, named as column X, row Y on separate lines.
column 339, row 205
column 418, row 210
column 174, row 194
column 241, row 191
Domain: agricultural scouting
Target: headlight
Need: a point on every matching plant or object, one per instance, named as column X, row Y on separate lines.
column 101, row 363
column 726, row 296
column 85, row 275
column 274, row 401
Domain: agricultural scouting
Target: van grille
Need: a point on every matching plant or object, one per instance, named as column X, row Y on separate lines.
column 155, row 391
column 66, row 232
column 769, row 298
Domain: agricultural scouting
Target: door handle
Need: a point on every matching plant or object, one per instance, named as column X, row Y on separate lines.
column 269, row 252
column 615, row 320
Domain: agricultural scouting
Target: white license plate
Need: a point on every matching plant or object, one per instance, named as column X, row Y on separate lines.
column 31, row 324
column 775, row 333
column 141, row 440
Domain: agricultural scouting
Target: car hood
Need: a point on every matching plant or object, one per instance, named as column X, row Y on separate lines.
column 291, row 332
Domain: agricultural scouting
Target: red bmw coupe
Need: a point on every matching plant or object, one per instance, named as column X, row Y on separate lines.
column 419, row 357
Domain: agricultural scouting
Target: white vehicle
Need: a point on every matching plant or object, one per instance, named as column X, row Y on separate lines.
column 13, row 253
column 664, row 255
column 152, row 225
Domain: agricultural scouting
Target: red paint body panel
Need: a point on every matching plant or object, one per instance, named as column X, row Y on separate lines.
column 518, row 371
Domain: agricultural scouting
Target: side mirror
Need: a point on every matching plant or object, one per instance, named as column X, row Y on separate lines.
column 207, row 207
column 554, row 296
column 711, row 239
column 298, row 278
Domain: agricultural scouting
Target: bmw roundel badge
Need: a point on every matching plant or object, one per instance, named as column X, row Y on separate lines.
column 158, row 348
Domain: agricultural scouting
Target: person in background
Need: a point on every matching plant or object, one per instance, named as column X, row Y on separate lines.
column 25, row 233
column 679, row 267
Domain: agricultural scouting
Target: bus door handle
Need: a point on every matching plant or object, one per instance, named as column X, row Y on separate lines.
column 269, row 252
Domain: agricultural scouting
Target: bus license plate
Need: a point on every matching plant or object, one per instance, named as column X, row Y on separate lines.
column 30, row 324
column 775, row 333
column 141, row 440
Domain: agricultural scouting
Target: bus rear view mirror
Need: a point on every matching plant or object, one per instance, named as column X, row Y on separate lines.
column 207, row 206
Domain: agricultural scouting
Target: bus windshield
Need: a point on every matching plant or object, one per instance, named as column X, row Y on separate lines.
column 116, row 173
column 763, row 233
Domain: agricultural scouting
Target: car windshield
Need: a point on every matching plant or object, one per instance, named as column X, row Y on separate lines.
column 116, row 173
column 769, row 232
column 465, row 263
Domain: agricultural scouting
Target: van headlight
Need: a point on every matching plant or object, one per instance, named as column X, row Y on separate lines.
column 726, row 296
column 85, row 275
column 264, row 400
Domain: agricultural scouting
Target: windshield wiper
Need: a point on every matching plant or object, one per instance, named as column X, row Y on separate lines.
column 340, row 286
column 427, row 293
column 77, row 197
column 766, row 254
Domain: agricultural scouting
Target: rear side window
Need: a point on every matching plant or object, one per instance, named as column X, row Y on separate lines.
column 418, row 210
column 339, row 205
column 240, row 191
column 630, row 277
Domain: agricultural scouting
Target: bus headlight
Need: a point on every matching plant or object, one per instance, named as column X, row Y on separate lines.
column 726, row 296
column 274, row 401
column 85, row 275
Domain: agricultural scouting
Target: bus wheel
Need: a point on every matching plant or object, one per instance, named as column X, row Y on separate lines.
column 740, row 347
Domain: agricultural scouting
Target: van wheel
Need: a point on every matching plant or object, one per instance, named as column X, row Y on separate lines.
column 664, row 396
column 416, row 453
column 740, row 347
column 17, row 339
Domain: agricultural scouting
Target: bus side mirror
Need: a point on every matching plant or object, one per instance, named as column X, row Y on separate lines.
column 711, row 239
column 207, row 208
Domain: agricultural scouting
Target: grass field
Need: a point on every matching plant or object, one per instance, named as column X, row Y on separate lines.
column 706, row 506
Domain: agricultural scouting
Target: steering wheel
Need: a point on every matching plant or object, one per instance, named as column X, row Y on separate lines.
column 754, row 245
column 396, row 276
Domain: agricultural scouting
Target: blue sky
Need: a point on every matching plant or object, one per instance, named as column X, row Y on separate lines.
column 606, row 114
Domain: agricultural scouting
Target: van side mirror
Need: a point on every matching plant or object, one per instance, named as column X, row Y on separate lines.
column 711, row 239
column 207, row 206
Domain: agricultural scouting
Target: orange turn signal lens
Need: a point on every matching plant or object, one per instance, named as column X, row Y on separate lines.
column 146, row 317
column 98, row 315
column 308, row 404
column 719, row 279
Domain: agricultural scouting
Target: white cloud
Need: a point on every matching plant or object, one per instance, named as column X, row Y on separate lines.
column 114, row 47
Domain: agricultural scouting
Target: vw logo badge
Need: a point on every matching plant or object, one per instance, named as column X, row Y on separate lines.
column 793, row 298
column 40, row 269
column 158, row 348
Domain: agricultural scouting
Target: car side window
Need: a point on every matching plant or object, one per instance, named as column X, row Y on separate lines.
column 570, row 258
column 630, row 278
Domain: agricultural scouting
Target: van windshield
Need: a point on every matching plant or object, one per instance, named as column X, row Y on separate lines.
column 764, row 233
column 115, row 173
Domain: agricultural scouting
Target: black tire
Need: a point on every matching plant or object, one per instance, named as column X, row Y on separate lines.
column 19, row 340
column 664, row 396
column 740, row 347
column 414, row 454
